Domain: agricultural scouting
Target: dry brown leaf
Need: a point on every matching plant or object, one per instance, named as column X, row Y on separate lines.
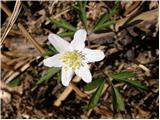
column 153, row 14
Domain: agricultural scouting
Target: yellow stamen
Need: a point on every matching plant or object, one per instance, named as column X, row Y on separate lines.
column 73, row 59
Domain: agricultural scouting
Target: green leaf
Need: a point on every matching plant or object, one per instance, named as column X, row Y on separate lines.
column 52, row 48
column 96, row 95
column 123, row 75
column 47, row 53
column 117, row 100
column 14, row 82
column 80, row 8
column 105, row 25
column 135, row 84
column 94, row 84
column 51, row 71
column 63, row 24
column 49, row 50
column 66, row 34
column 115, row 9
column 101, row 21
column 104, row 22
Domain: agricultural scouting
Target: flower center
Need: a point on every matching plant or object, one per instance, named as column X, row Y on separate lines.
column 73, row 59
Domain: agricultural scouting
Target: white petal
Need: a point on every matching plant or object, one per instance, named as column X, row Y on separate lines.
column 53, row 61
column 93, row 55
column 84, row 73
column 78, row 42
column 59, row 43
column 66, row 76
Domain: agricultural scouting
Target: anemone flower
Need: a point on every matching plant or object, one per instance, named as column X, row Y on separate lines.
column 73, row 57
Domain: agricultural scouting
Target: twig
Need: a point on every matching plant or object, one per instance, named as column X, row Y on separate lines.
column 63, row 96
column 66, row 92
column 29, row 37
column 76, row 89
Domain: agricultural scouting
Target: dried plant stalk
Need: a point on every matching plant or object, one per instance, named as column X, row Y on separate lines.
column 24, row 31
column 12, row 20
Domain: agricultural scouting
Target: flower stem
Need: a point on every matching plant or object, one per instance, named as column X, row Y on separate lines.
column 105, row 75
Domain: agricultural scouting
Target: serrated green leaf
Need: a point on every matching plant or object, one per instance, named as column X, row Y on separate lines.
column 135, row 84
column 63, row 24
column 117, row 100
column 66, row 34
column 96, row 95
column 51, row 71
column 94, row 84
column 123, row 75
column 14, row 82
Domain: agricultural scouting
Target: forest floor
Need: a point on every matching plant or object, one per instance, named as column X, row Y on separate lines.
column 132, row 44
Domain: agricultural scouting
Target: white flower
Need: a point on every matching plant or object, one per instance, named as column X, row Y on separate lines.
column 73, row 57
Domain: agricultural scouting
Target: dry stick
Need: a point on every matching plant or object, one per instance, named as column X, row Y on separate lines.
column 12, row 20
column 23, row 30
column 66, row 92
column 76, row 89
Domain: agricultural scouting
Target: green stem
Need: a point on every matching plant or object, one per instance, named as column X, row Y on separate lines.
column 105, row 75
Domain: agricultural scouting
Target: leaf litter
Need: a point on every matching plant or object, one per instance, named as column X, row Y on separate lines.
column 131, row 44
